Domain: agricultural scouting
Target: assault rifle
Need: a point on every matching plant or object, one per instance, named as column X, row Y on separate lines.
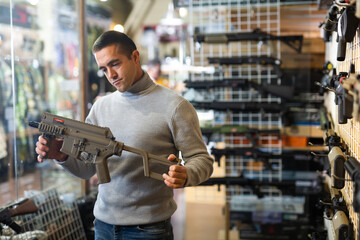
column 291, row 187
column 97, row 141
column 283, row 91
column 263, row 60
column 239, row 60
column 258, row 155
column 239, row 129
column 22, row 207
column 250, row 152
column 240, row 106
column 295, row 42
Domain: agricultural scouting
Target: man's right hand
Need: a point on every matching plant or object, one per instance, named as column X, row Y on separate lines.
column 51, row 152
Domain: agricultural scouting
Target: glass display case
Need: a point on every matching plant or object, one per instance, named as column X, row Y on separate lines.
column 40, row 58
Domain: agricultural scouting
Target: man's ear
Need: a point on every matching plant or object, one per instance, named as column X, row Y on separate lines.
column 136, row 56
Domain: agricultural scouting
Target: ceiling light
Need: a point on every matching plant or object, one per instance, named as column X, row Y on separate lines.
column 33, row 2
column 172, row 17
column 183, row 12
column 119, row 28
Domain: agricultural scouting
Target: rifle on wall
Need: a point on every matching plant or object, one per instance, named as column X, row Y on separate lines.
column 239, row 129
column 294, row 42
column 292, row 187
column 283, row 91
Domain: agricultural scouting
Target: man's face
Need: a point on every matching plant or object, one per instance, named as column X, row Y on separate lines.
column 120, row 71
column 154, row 72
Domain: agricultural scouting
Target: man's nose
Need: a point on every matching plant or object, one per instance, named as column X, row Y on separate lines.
column 112, row 74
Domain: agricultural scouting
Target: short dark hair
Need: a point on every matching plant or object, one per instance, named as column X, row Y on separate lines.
column 115, row 38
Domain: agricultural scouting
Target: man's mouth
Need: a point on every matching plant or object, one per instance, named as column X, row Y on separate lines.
column 116, row 82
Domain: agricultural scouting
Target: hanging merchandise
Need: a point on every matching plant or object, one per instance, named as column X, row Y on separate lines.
column 20, row 113
column 60, row 97
column 5, row 85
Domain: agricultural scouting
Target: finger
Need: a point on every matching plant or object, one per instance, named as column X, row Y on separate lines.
column 177, row 175
column 42, row 147
column 169, row 179
column 178, row 168
column 171, row 157
column 42, row 140
column 41, row 154
column 173, row 182
column 172, row 185
column 40, row 159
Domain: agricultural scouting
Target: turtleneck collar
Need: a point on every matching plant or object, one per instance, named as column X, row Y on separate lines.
column 143, row 84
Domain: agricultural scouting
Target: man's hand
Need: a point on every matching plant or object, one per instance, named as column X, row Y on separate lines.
column 53, row 151
column 176, row 176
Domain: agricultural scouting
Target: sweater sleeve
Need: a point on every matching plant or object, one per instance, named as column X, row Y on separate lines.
column 188, row 140
column 78, row 168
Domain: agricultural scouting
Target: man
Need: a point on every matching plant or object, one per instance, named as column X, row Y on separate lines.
column 144, row 115
column 154, row 69
column 155, row 73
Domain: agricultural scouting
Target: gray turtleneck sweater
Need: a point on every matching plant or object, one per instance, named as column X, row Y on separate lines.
column 153, row 118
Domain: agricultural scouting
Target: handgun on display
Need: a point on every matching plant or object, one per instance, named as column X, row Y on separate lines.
column 96, row 141
column 23, row 207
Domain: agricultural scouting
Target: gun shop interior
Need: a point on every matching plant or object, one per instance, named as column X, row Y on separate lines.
column 275, row 86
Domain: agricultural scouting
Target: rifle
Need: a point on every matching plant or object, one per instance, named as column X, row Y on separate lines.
column 263, row 60
column 97, row 141
column 259, row 155
column 239, row 129
column 239, row 60
column 240, row 106
column 22, row 207
column 292, row 187
column 282, row 91
column 294, row 42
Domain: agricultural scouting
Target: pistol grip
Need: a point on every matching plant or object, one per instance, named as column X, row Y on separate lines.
column 102, row 171
column 341, row 51
column 337, row 161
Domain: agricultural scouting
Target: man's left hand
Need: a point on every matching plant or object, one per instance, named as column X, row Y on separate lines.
column 176, row 176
